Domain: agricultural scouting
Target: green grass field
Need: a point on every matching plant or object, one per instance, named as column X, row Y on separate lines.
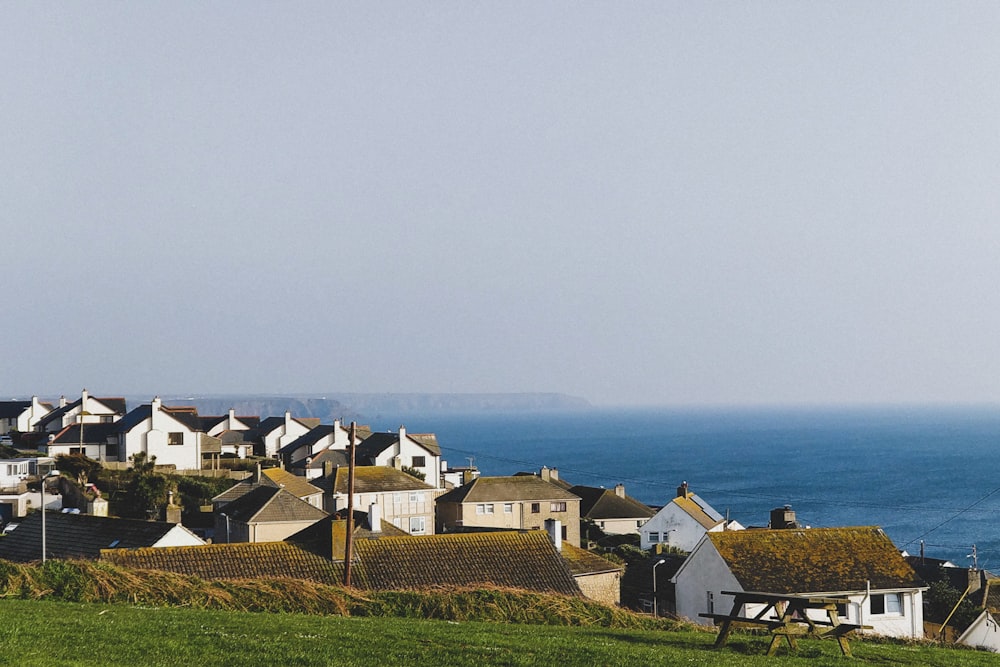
column 53, row 633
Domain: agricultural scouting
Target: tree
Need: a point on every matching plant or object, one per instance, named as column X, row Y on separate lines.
column 142, row 464
column 79, row 467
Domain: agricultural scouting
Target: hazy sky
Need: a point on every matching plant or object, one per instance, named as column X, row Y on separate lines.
column 658, row 203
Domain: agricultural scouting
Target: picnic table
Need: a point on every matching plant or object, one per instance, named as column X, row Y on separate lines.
column 789, row 618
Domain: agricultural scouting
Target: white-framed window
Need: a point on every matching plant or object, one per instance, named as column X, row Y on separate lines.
column 484, row 508
column 889, row 604
column 416, row 497
column 654, row 537
column 508, row 508
column 557, row 507
column 397, row 498
column 417, row 525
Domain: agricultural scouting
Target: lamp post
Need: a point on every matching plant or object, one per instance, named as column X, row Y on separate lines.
column 226, row 517
column 659, row 562
column 43, row 478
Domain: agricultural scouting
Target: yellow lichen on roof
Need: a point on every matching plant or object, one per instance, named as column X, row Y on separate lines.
column 814, row 560
column 297, row 486
column 581, row 561
column 696, row 512
column 372, row 479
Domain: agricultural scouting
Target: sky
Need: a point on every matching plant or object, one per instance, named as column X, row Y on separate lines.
column 650, row 203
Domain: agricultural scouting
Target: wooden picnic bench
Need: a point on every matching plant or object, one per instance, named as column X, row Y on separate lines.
column 789, row 618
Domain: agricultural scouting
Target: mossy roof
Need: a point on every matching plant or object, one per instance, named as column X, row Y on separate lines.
column 699, row 510
column 232, row 561
column 267, row 504
column 814, row 560
column 501, row 489
column 376, row 479
column 294, row 484
column 511, row 559
column 582, row 562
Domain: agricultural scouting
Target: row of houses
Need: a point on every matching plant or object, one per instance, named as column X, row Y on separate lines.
column 434, row 532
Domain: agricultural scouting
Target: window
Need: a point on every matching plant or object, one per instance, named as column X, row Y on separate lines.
column 536, row 508
column 416, row 497
column 175, row 438
column 508, row 508
column 419, row 461
column 484, row 508
column 710, row 602
column 654, row 538
column 887, row 603
column 417, row 525
column 557, row 507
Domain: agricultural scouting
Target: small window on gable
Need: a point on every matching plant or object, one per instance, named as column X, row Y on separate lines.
column 419, row 461
column 175, row 438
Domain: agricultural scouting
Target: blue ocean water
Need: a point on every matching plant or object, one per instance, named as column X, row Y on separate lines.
column 921, row 473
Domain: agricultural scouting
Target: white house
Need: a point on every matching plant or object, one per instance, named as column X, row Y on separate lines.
column 172, row 435
column 401, row 499
column 324, row 436
column 984, row 632
column 85, row 410
column 417, row 451
column 21, row 416
column 277, row 432
column 860, row 564
column 682, row 522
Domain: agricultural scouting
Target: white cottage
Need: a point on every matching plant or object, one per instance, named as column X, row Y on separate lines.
column 172, row 435
column 682, row 522
column 861, row 564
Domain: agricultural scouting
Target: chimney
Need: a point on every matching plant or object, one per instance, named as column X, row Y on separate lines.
column 783, row 517
column 620, row 490
column 62, row 401
column 375, row 518
column 256, row 474
column 549, row 474
column 83, row 399
column 288, row 421
column 554, row 528
column 682, row 490
column 232, row 417
column 172, row 512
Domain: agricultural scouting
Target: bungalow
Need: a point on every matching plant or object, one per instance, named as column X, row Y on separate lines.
column 860, row 564
column 265, row 514
column 611, row 511
column 84, row 535
column 519, row 502
column 682, row 522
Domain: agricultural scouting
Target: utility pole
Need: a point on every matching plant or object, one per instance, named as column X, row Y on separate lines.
column 349, row 539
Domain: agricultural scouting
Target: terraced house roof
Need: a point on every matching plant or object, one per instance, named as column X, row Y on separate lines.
column 377, row 479
column 814, row 560
column 268, row 504
column 512, row 559
column 499, row 489
column 232, row 561
column 297, row 486
column 598, row 503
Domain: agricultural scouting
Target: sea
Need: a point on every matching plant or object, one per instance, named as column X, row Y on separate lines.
column 929, row 476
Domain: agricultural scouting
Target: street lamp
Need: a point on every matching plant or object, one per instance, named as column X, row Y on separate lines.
column 226, row 517
column 659, row 562
column 51, row 473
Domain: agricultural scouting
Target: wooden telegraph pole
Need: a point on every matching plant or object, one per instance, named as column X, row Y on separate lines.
column 349, row 539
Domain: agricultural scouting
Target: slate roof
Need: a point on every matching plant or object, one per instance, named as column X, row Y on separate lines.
column 376, row 443
column 79, row 536
column 814, row 560
column 336, row 457
column 500, row 489
column 373, row 479
column 597, row 503
column 232, row 561
column 268, row 504
column 13, row 409
column 92, row 433
column 308, row 438
column 513, row 559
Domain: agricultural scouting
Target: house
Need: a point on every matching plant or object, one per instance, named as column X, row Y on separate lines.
column 273, row 433
column 335, row 436
column 598, row 578
column 86, row 410
column 860, row 564
column 611, row 511
column 95, row 441
column 519, row 502
column 172, row 434
column 14, row 494
column 235, row 434
column 265, row 514
column 682, row 522
column 402, row 500
column 84, row 535
column 275, row 478
column 419, row 452
column 22, row 416
column 984, row 631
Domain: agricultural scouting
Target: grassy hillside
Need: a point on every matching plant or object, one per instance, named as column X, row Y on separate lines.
column 47, row 633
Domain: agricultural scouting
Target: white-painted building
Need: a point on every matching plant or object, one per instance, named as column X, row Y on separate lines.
column 860, row 564
column 682, row 522
column 169, row 434
column 22, row 416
